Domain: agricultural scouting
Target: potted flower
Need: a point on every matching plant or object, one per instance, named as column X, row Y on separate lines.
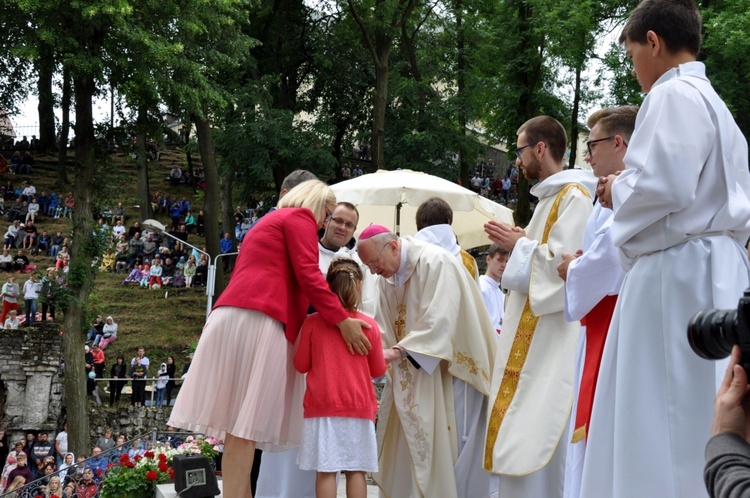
column 137, row 478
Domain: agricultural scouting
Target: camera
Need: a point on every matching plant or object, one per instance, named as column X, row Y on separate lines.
column 712, row 333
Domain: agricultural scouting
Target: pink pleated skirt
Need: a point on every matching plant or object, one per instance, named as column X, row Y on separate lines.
column 242, row 381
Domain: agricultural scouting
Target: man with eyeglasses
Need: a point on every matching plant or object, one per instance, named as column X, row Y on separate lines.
column 533, row 377
column 593, row 277
column 440, row 343
column 338, row 230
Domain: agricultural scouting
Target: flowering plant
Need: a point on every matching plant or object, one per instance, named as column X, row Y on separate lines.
column 138, row 476
column 209, row 447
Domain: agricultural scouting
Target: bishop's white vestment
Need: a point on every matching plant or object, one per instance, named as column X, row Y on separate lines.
column 682, row 216
column 533, row 377
column 446, row 331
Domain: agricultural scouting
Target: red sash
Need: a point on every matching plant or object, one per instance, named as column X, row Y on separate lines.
column 597, row 323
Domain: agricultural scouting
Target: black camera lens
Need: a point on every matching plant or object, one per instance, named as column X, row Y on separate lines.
column 712, row 333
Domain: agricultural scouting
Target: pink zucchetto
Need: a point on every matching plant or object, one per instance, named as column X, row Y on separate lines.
column 372, row 231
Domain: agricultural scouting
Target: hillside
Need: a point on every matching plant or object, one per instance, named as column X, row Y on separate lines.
column 163, row 325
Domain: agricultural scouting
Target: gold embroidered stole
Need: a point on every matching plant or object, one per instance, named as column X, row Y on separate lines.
column 520, row 347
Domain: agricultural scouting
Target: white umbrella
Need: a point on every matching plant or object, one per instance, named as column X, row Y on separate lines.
column 391, row 198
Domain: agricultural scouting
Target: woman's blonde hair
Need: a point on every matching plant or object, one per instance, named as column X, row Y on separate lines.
column 344, row 277
column 313, row 195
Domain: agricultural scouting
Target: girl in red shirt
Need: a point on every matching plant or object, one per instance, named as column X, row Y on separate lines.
column 338, row 433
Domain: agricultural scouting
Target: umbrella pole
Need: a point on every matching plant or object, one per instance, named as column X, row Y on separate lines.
column 398, row 219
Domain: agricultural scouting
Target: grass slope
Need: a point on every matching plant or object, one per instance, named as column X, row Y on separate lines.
column 145, row 317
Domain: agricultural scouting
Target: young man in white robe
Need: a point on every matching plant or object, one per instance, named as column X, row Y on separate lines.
column 435, row 333
column 280, row 476
column 533, row 377
column 681, row 218
column 593, row 277
column 489, row 284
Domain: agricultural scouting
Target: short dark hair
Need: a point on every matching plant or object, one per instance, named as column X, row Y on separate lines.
column 295, row 178
column 434, row 211
column 350, row 207
column 615, row 120
column 495, row 250
column 677, row 22
column 548, row 130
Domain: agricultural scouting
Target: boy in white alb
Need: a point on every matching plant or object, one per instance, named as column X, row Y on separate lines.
column 489, row 284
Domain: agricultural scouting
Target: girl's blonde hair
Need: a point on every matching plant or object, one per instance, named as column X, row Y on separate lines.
column 344, row 277
column 313, row 195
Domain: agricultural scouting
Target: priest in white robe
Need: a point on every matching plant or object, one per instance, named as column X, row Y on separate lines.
column 593, row 279
column 682, row 216
column 435, row 332
column 533, row 378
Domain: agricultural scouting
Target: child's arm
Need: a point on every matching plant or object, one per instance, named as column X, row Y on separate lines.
column 375, row 358
column 303, row 356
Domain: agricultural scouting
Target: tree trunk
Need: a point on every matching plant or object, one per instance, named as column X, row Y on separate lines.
column 46, row 107
column 574, row 121
column 144, row 196
column 464, row 163
column 227, row 213
column 62, row 148
column 212, row 207
column 81, row 275
column 379, row 104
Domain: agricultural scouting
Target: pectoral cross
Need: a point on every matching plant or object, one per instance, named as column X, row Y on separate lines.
column 400, row 322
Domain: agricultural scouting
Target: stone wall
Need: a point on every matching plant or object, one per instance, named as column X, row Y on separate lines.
column 31, row 387
column 129, row 420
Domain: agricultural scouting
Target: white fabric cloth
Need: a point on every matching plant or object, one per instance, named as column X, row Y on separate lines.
column 31, row 289
column 494, row 299
column 418, row 426
column 597, row 273
column 685, row 185
column 527, row 448
column 330, row 444
column 441, row 236
column 326, row 256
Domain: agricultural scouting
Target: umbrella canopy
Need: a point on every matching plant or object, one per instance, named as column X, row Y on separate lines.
column 387, row 197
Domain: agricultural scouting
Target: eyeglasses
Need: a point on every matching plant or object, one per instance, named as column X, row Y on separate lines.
column 329, row 213
column 346, row 224
column 377, row 259
column 591, row 142
column 520, row 149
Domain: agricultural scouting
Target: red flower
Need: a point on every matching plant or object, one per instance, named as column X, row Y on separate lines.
column 124, row 459
column 163, row 466
column 54, row 496
column 129, row 464
column 171, row 473
column 149, row 454
column 110, row 465
column 138, row 458
column 98, row 472
column 162, row 457
column 151, row 475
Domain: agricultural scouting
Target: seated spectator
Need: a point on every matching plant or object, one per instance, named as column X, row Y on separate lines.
column 14, row 213
column 62, row 259
column 189, row 271
column 6, row 261
column 145, row 275
column 11, row 234
column 30, row 235
column 109, row 333
column 15, row 162
column 32, row 210
column 134, row 230
column 43, row 201
column 155, row 281
column 148, row 248
column 20, row 261
column 135, row 247
column 184, row 206
column 57, row 242
column 134, row 276
column 178, row 280
column 96, row 329
column 53, row 486
column 118, row 230
column 167, row 272
column 86, row 487
column 12, row 323
column 119, row 214
column 4, row 166
column 70, row 204
column 43, row 243
column 164, row 203
column 106, row 442
column 122, row 260
column 28, row 192
column 53, row 206
column 190, row 223
column 27, row 164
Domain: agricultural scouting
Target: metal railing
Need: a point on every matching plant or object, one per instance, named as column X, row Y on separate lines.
column 151, row 383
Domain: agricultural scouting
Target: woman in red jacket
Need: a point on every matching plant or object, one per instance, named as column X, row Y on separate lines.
column 242, row 385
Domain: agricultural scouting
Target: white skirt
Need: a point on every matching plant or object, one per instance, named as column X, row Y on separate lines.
column 332, row 444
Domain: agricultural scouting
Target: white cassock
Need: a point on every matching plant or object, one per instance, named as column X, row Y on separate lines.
column 280, row 476
column 534, row 373
column 592, row 276
column 681, row 218
column 494, row 299
column 422, row 451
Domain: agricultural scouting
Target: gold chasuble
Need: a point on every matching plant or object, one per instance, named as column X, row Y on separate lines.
column 438, row 313
column 533, row 376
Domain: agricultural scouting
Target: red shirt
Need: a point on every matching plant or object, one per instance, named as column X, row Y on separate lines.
column 339, row 384
column 277, row 272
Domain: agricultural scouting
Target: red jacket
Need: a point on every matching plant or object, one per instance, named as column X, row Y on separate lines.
column 339, row 384
column 277, row 272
